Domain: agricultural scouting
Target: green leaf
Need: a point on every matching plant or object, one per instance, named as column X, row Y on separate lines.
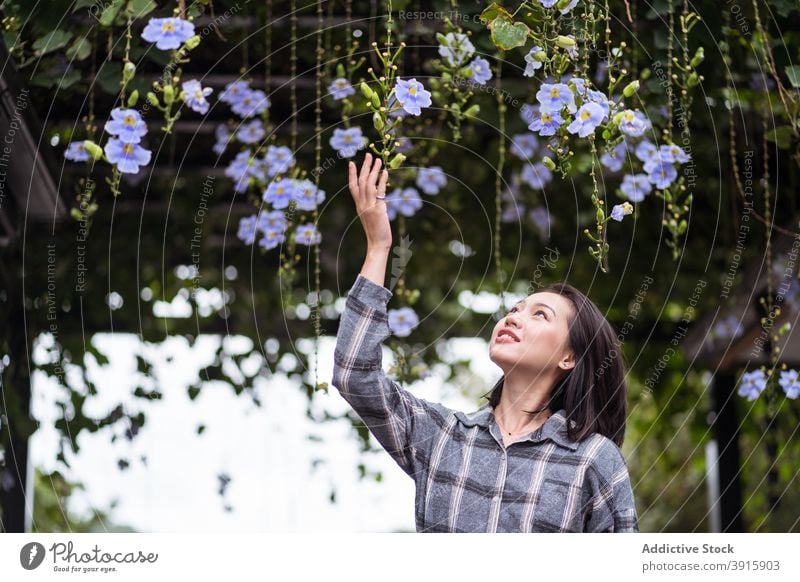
column 52, row 80
column 781, row 136
column 52, row 41
column 110, row 12
column 793, row 73
column 494, row 11
column 507, row 34
column 109, row 77
column 80, row 49
column 141, row 8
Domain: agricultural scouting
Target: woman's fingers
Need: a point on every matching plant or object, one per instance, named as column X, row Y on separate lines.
column 373, row 176
column 382, row 183
column 362, row 177
column 352, row 178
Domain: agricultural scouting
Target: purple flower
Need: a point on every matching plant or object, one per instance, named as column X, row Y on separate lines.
column 620, row 210
column 75, row 152
column 194, row 95
column 601, row 99
column 633, row 123
column 411, row 95
column 431, row 180
column 540, row 218
column 554, row 97
column 586, row 121
column 523, row 145
column 271, row 221
column 247, row 229
column 405, row 145
column 613, row 160
column 243, row 167
column 480, row 70
column 456, row 48
column 234, row 92
column 347, row 141
column 126, row 124
column 306, row 234
column 168, row 33
column 635, row 187
column 271, row 239
column 278, row 160
column 406, row 201
column 662, row 174
column 789, row 383
column 341, row 88
column 528, row 113
column 547, row 123
column 126, row 156
column 752, row 384
column 645, row 150
column 307, row 194
column 252, row 102
column 728, row 328
column 280, row 193
column 222, row 135
column 672, row 153
column 402, row 321
column 548, row 3
column 532, row 65
column 537, row 176
column 251, row 132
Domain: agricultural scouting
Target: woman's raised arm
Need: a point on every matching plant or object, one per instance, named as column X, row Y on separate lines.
column 401, row 422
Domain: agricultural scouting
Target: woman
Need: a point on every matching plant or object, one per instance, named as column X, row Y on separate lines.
column 514, row 465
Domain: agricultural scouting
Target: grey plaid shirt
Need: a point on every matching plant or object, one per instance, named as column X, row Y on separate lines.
column 466, row 479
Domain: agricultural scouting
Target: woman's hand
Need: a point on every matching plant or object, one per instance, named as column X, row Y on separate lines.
column 365, row 189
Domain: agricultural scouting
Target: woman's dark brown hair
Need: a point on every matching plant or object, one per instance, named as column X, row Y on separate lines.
column 593, row 392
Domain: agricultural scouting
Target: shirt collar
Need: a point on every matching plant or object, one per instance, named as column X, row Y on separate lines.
column 554, row 427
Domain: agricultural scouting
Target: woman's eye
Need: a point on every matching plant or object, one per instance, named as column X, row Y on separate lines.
column 542, row 312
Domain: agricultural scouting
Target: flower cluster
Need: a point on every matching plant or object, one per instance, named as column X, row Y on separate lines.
column 245, row 165
column 127, row 128
column 659, row 165
column 753, row 384
column 456, row 50
column 243, row 100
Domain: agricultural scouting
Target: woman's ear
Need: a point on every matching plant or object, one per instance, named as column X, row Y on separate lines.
column 568, row 361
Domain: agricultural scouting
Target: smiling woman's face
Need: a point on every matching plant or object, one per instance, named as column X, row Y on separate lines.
column 540, row 324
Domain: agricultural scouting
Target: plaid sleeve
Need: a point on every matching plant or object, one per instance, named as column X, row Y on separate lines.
column 399, row 420
column 613, row 508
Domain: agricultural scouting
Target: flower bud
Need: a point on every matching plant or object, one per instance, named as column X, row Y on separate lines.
column 377, row 121
column 134, row 97
column 152, row 99
column 549, row 163
column 94, row 150
column 192, row 42
column 565, row 41
column 128, row 71
column 366, row 91
column 169, row 94
column 397, row 161
column 472, row 110
column 631, row 88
